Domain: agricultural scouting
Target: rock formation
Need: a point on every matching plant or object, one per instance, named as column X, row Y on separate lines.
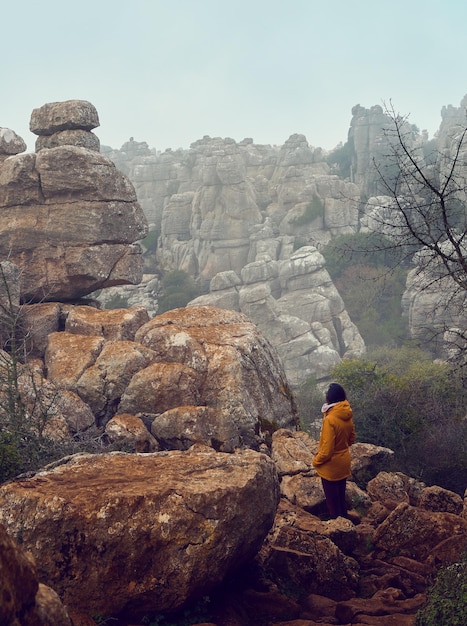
column 232, row 216
column 118, row 533
column 134, row 535
column 296, row 306
column 69, row 234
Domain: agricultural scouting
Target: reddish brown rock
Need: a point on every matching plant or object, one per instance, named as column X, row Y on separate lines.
column 132, row 533
column 302, row 555
column 293, row 452
column 237, row 370
column 413, row 532
column 115, row 324
column 132, row 432
column 392, row 488
column 436, row 498
column 183, row 426
column 103, row 382
column 160, row 387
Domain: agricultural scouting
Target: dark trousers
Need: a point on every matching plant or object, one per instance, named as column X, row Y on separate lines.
column 334, row 490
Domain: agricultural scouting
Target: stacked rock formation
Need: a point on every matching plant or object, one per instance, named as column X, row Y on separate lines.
column 69, row 219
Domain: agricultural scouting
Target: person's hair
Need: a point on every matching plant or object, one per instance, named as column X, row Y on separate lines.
column 335, row 393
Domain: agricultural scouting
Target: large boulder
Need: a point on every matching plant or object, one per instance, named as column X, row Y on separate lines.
column 124, row 533
column 416, row 533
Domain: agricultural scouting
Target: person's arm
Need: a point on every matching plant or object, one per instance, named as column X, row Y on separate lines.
column 326, row 448
column 352, row 435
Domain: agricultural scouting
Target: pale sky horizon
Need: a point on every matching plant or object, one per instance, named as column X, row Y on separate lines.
column 169, row 72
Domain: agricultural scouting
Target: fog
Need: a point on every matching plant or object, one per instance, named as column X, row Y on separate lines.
column 169, row 73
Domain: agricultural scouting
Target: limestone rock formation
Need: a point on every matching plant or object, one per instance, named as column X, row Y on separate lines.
column 232, row 215
column 295, row 304
column 123, row 533
column 199, row 364
column 69, row 234
column 10, row 143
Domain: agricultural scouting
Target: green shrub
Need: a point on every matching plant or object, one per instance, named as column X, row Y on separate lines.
column 177, row 289
column 371, row 281
column 447, row 599
column 313, row 209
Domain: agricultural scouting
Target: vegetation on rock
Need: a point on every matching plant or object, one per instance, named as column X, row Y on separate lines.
column 447, row 599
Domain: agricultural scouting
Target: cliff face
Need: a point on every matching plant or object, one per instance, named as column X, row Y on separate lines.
column 246, row 221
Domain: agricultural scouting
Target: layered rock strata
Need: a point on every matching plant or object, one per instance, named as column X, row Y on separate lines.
column 69, row 219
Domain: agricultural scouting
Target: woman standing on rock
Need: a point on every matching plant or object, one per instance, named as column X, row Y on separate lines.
column 332, row 461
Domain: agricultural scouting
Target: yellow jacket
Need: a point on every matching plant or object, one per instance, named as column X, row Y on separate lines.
column 332, row 461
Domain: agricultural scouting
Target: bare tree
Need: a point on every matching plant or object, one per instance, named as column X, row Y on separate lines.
column 423, row 214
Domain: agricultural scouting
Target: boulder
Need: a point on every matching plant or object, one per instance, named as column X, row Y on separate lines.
column 436, row 498
column 68, row 115
column 301, row 554
column 392, row 488
column 130, row 534
column 222, row 362
column 10, row 142
column 131, row 431
column 415, row 533
column 368, row 460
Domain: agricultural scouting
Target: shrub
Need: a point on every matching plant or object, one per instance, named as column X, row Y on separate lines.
column 371, row 281
column 177, row 288
column 313, row 209
column 447, row 599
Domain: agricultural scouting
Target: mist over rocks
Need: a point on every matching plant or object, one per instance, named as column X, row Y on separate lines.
column 246, row 222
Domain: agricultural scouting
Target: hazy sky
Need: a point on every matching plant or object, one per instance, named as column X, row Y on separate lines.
column 170, row 71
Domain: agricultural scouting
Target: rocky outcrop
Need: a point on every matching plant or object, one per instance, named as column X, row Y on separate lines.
column 232, row 215
column 133, row 535
column 10, row 143
column 199, row 365
column 434, row 304
column 116, row 534
column 296, row 305
column 69, row 234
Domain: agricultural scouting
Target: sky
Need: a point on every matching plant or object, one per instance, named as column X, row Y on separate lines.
column 169, row 72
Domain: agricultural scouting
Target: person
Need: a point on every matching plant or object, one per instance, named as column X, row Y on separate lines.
column 332, row 461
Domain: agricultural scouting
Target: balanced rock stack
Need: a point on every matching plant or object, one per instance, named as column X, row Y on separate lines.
column 69, row 219
column 65, row 123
